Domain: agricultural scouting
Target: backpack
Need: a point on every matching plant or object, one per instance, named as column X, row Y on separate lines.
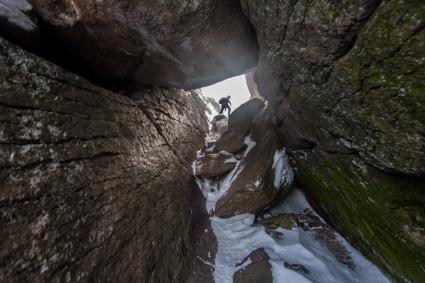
column 222, row 100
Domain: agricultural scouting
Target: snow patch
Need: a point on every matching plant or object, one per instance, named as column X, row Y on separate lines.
column 238, row 236
column 257, row 183
column 231, row 160
column 244, row 265
column 250, row 145
column 283, row 173
column 15, row 11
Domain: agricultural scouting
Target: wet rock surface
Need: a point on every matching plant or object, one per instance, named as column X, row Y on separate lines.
column 95, row 186
column 184, row 44
column 344, row 82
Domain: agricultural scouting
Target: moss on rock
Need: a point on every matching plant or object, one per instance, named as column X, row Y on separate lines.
column 380, row 213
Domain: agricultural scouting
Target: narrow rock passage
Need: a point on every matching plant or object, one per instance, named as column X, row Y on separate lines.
column 288, row 242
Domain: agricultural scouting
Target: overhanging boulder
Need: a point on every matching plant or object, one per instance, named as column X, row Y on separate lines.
column 185, row 44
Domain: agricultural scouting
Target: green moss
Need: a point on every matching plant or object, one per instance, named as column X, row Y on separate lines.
column 384, row 73
column 285, row 221
column 370, row 208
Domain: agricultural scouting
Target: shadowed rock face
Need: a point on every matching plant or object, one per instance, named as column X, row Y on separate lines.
column 184, row 44
column 345, row 81
column 94, row 186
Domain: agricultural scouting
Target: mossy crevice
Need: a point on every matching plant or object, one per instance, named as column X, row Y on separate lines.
column 380, row 213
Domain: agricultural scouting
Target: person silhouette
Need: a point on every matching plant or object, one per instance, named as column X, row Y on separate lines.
column 225, row 104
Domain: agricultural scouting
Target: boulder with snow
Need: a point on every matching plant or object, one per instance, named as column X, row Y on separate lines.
column 239, row 125
column 219, row 124
column 245, row 113
column 263, row 175
column 255, row 268
column 232, row 140
column 214, row 165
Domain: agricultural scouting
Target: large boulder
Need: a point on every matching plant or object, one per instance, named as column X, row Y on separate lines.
column 219, row 124
column 232, row 140
column 244, row 114
column 262, row 176
column 94, row 185
column 214, row 165
column 345, row 82
column 239, row 126
column 185, row 44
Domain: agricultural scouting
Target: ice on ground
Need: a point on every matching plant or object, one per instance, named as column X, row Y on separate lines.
column 238, row 236
column 283, row 173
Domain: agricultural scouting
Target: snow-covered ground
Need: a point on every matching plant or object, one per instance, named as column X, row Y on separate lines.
column 296, row 253
column 238, row 236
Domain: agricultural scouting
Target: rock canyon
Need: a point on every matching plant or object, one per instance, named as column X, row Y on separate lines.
column 115, row 168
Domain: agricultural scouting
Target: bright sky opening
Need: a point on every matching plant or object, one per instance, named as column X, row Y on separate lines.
column 235, row 87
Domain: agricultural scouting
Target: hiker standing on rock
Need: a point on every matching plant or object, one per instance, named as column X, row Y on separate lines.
column 225, row 104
